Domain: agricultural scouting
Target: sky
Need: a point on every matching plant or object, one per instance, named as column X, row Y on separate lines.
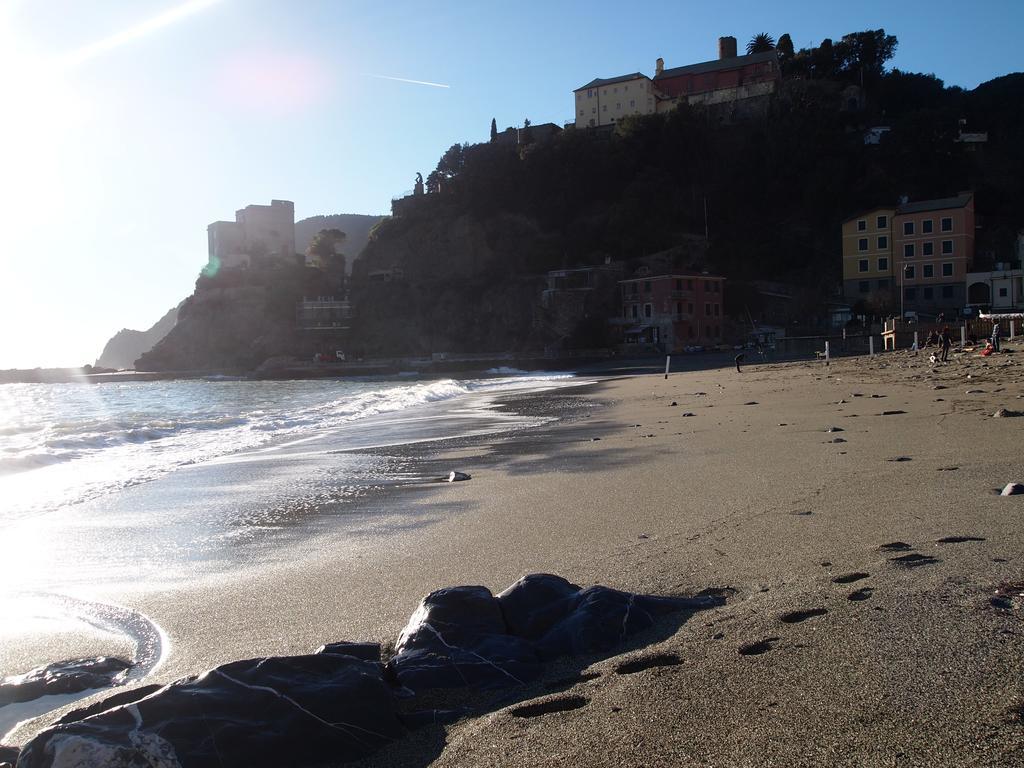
column 130, row 125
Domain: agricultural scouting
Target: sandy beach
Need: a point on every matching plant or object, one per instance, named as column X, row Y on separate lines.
column 859, row 566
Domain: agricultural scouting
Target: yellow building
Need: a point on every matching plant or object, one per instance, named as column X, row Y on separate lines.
column 606, row 101
column 868, row 267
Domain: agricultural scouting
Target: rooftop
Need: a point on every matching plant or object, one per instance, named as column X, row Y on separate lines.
column 598, row 82
column 936, row 205
column 717, row 64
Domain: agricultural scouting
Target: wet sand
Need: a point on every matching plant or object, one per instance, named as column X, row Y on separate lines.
column 831, row 648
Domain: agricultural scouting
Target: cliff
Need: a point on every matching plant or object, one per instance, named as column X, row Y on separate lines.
column 356, row 227
column 127, row 345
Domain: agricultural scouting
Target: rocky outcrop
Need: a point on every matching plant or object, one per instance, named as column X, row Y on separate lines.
column 63, row 677
column 356, row 227
column 126, row 346
column 341, row 703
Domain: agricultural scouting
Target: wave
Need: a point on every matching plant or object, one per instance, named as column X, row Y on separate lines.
column 10, row 465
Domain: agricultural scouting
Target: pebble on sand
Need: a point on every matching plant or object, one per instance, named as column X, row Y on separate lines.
column 1012, row 489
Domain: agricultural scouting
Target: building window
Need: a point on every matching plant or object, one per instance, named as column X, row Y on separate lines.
column 864, row 286
column 1002, row 293
column 581, row 113
column 604, row 107
column 908, row 227
column 928, row 270
column 632, row 102
column 716, row 309
column 882, row 222
column 862, row 225
column 947, row 246
column 926, row 227
column 862, row 265
column 927, row 249
column 883, row 264
column 862, row 244
column 947, row 291
column 647, row 286
column 716, row 287
column 947, row 224
column 689, row 285
column 679, row 285
column 618, row 105
column 707, row 310
column 593, row 110
column 689, row 308
column 908, row 272
column 883, row 284
column 883, row 242
column 928, row 292
column 625, row 312
column 590, row 94
column 908, row 250
column 647, row 310
column 679, row 307
column 634, row 312
column 910, row 293
column 947, row 269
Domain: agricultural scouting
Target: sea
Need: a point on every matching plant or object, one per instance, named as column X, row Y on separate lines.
column 114, row 486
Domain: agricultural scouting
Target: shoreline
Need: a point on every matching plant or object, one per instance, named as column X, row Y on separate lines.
column 749, row 494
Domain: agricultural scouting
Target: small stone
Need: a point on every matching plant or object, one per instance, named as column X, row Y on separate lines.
column 837, row 440
column 455, row 477
column 834, row 429
column 975, row 392
column 673, row 404
column 1012, row 489
column 1005, row 413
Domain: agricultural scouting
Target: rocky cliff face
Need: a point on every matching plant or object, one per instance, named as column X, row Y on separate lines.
column 127, row 345
column 441, row 280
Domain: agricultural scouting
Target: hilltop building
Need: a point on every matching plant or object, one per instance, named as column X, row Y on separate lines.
column 258, row 231
column 921, row 250
column 737, row 81
column 672, row 311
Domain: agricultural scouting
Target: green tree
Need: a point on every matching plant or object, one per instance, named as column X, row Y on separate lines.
column 433, row 183
column 784, row 49
column 863, row 54
column 494, row 129
column 451, row 163
column 761, row 43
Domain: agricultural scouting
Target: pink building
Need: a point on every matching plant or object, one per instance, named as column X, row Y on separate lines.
column 672, row 311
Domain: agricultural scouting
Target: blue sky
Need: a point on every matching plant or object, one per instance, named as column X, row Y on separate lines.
column 116, row 159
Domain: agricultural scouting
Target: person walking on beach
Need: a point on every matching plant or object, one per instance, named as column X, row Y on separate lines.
column 739, row 359
column 995, row 337
column 946, row 343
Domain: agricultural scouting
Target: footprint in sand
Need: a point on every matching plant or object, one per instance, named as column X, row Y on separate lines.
column 958, row 539
column 913, row 560
column 756, row 649
column 795, row 617
column 561, row 704
column 849, row 578
column 896, row 546
column 568, row 682
column 648, row 662
column 861, row 594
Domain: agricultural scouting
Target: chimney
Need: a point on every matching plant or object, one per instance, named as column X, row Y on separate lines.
column 659, row 66
column 727, row 48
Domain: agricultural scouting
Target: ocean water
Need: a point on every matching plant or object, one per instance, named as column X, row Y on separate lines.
column 65, row 444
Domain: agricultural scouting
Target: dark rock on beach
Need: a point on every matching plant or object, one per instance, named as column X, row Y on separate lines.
column 63, row 677
column 1012, row 489
column 340, row 703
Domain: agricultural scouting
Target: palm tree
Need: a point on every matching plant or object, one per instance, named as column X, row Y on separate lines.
column 760, row 43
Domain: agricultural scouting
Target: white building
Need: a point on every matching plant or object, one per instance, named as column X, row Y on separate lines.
column 258, row 231
column 606, row 101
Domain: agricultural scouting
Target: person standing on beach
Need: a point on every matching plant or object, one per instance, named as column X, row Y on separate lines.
column 995, row 337
column 739, row 359
column 946, row 343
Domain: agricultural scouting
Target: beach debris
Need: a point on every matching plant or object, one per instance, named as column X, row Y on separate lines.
column 849, row 578
column 946, row 469
column 835, row 429
column 900, row 458
column 795, row 617
column 688, row 413
column 1005, row 413
column 836, row 440
column 594, row 439
column 875, row 397
column 958, row 539
column 751, row 402
column 643, row 536
column 1009, row 596
column 341, row 704
column 71, row 676
column 455, row 477
column 939, row 386
column 891, row 413
column 975, row 392
column 1012, row 489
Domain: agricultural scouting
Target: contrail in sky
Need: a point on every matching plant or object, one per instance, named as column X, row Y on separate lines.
column 414, row 82
column 164, row 19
